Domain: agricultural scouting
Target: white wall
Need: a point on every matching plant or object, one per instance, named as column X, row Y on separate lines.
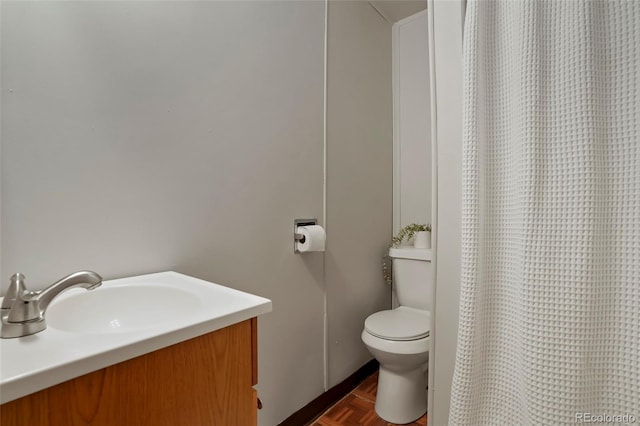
column 359, row 178
column 412, row 144
column 147, row 136
column 445, row 21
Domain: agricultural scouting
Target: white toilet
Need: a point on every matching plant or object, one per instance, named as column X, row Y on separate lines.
column 399, row 338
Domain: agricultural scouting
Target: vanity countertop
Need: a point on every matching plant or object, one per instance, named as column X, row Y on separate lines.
column 57, row 354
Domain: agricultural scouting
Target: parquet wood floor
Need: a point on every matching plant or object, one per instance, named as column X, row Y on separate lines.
column 357, row 409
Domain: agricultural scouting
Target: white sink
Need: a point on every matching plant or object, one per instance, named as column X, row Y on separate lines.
column 121, row 308
column 122, row 319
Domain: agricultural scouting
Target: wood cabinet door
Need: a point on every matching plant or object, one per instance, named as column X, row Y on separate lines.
column 203, row 381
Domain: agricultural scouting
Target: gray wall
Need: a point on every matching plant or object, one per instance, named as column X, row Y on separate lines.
column 412, row 142
column 149, row 136
column 446, row 19
column 146, row 136
column 359, row 177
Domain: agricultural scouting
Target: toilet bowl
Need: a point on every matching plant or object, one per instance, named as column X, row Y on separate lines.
column 399, row 341
column 399, row 338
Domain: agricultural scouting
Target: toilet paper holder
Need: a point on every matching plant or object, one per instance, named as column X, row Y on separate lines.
column 299, row 237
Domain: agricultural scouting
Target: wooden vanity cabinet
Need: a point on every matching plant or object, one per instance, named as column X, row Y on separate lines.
column 203, row 381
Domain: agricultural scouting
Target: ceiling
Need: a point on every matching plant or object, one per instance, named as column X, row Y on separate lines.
column 395, row 10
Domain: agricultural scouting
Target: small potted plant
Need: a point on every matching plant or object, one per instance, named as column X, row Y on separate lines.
column 421, row 234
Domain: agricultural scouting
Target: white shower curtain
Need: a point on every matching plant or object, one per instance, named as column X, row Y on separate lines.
column 549, row 328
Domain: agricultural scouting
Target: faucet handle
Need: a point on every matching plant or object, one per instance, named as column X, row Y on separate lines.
column 16, row 287
column 21, row 303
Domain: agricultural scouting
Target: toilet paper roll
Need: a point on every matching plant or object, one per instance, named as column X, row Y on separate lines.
column 314, row 238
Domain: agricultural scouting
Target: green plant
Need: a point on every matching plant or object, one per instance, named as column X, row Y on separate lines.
column 406, row 233
column 387, row 273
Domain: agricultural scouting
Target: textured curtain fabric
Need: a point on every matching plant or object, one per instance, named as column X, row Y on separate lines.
column 550, row 301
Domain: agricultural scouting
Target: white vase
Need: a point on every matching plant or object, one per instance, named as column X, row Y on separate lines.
column 422, row 239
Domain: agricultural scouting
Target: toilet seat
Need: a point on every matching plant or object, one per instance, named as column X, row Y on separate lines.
column 400, row 324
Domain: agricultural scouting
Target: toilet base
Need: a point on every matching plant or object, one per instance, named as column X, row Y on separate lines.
column 401, row 396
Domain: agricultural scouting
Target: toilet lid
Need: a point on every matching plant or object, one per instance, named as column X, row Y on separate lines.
column 399, row 324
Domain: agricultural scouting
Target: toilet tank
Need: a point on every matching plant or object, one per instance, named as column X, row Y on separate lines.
column 412, row 280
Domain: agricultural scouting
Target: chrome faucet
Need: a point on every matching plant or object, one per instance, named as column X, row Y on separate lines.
column 23, row 310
